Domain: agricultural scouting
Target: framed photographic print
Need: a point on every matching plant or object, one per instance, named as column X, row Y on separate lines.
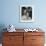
column 26, row 13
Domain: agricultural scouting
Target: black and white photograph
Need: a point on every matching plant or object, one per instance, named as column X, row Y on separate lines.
column 26, row 13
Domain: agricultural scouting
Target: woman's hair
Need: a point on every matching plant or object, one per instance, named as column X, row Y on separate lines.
column 23, row 9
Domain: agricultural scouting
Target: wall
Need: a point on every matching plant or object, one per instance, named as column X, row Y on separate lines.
column 10, row 13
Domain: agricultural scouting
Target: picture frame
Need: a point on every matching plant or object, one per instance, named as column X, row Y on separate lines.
column 26, row 13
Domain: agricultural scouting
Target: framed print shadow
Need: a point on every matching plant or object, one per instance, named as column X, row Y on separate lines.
column 26, row 13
